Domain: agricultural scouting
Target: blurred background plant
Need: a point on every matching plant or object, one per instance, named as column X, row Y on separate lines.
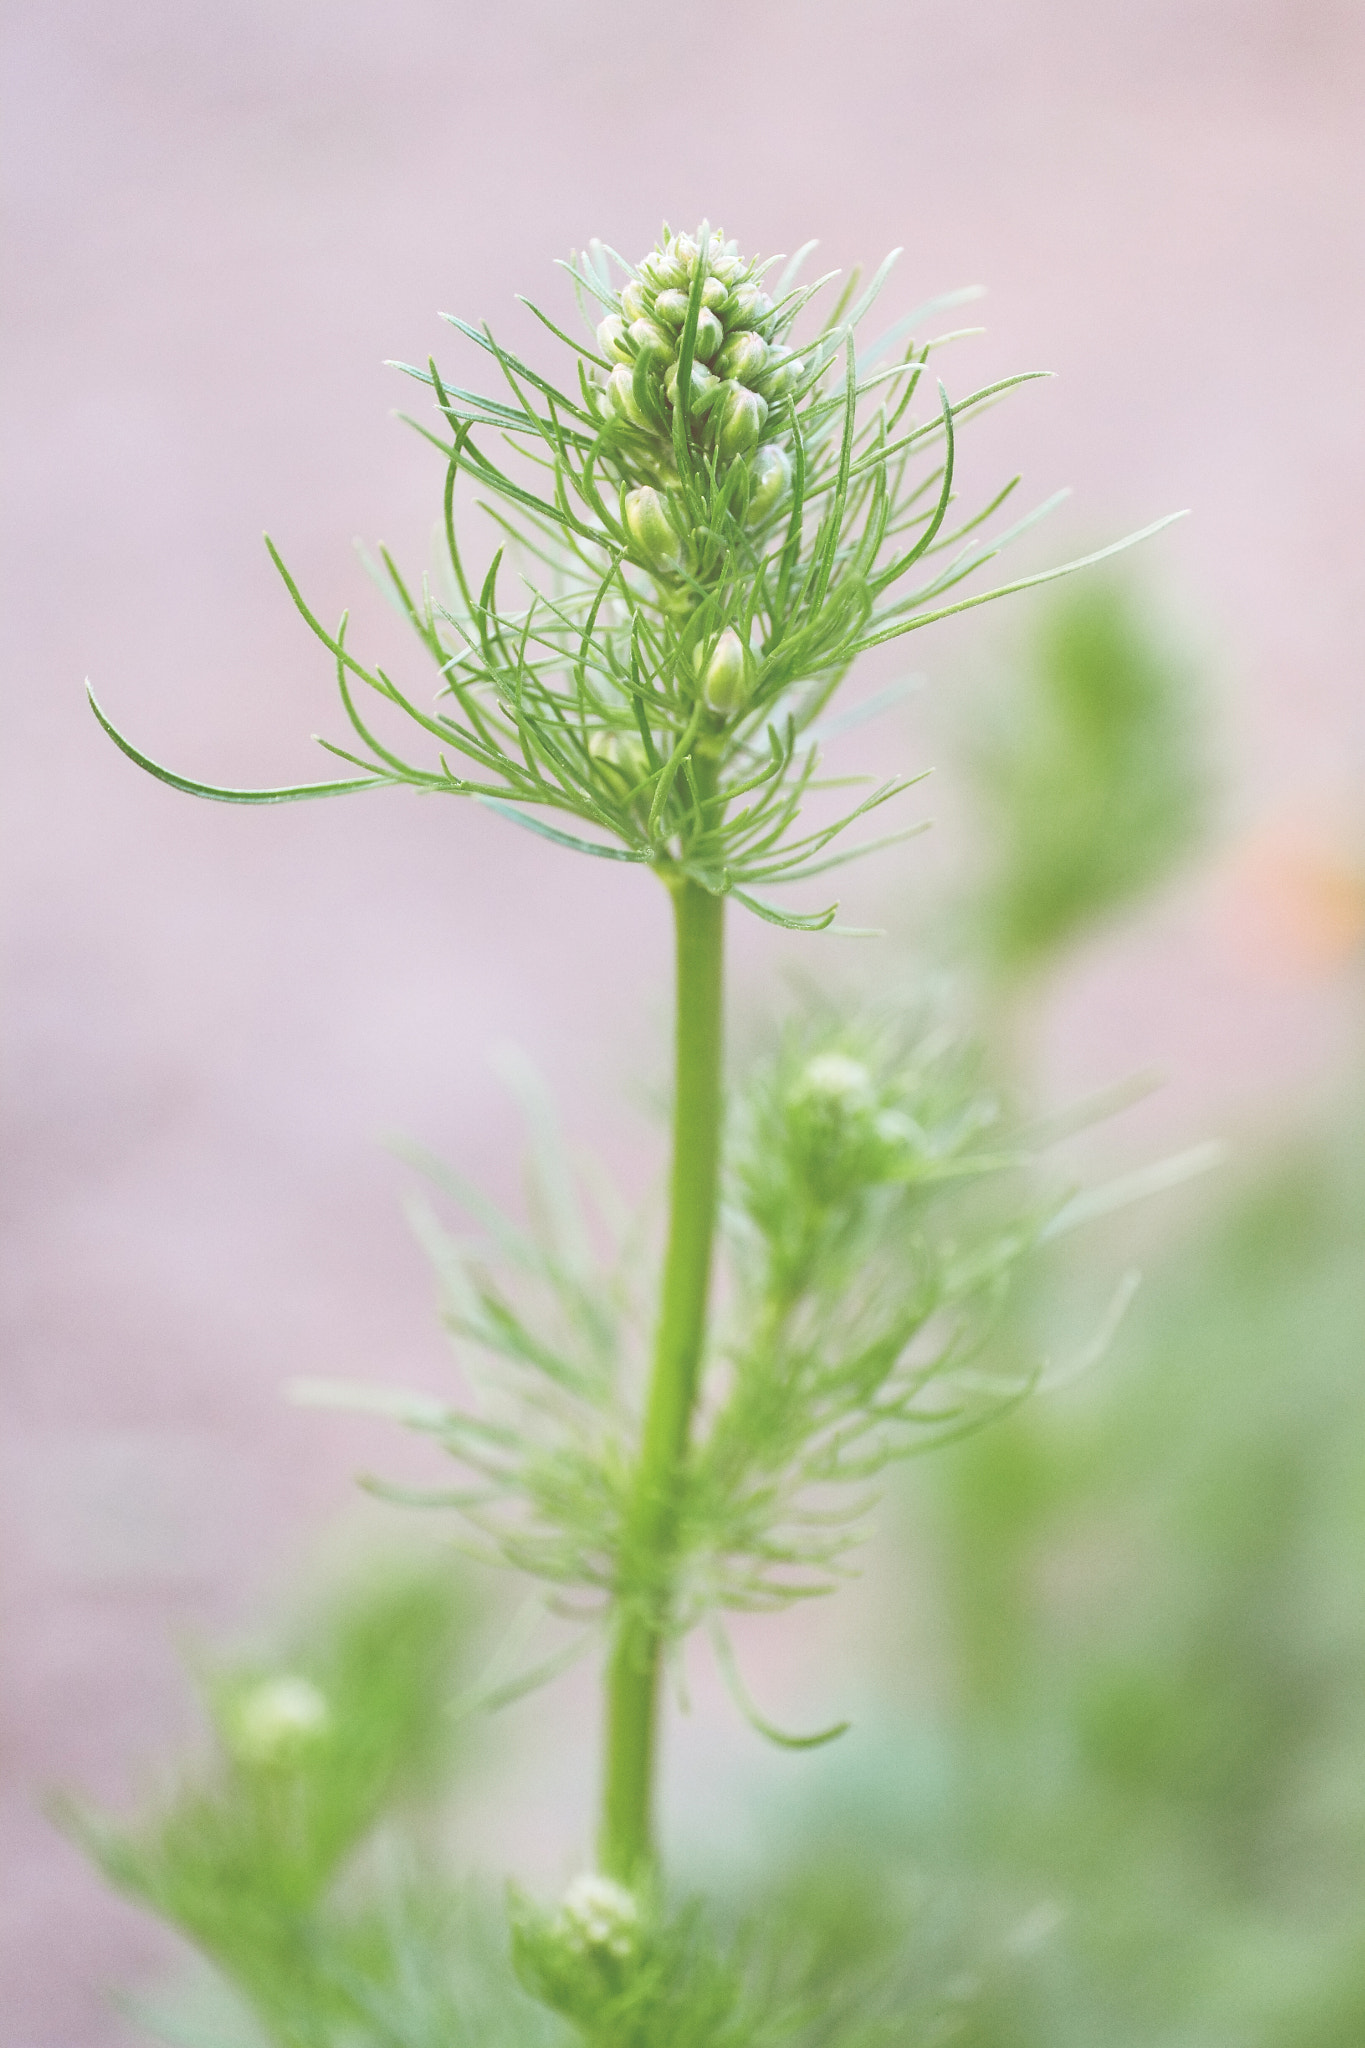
column 1133, row 1814
column 1091, row 778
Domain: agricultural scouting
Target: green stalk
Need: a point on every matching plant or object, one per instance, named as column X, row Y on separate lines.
column 627, row 1842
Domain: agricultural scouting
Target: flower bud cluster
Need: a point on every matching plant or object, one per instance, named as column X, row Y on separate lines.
column 598, row 1916
column 581, row 1957
column 845, row 1131
column 740, row 371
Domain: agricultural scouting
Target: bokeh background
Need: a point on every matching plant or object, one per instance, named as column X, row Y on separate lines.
column 222, row 221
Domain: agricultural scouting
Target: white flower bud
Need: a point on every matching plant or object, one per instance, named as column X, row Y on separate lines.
column 633, row 299
column 844, row 1083
column 599, row 1914
column 611, row 335
column 706, row 388
column 622, row 751
column 741, row 421
column 648, row 525
column 648, row 339
column 709, row 336
column 722, row 258
column 672, row 307
column 277, row 1718
column 661, row 269
column 784, row 369
column 726, row 686
column 751, row 305
column 714, row 293
column 743, row 357
column 621, row 387
column 772, row 479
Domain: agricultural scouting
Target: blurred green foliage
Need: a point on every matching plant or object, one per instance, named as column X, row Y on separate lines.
column 1090, row 777
column 1137, row 1815
column 1142, row 1821
column 348, row 1722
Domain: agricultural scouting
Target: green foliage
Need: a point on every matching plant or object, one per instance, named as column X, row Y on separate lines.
column 432, row 1971
column 698, row 555
column 1092, row 779
column 875, row 1209
column 313, row 1749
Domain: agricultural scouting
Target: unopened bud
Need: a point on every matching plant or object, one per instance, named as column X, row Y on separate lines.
column 665, row 272
column 709, row 336
column 783, row 370
column 751, row 305
column 722, row 257
column 632, row 299
column 741, row 421
column 648, row 339
column 599, row 1914
column 714, row 293
column 772, row 478
column 648, row 525
column 726, row 684
column 672, row 307
column 278, row 1718
column 621, row 388
column 705, row 388
column 743, row 357
column 611, row 335
column 622, row 751
column 843, row 1083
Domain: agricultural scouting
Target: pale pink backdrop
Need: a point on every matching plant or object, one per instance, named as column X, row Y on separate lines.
column 223, row 219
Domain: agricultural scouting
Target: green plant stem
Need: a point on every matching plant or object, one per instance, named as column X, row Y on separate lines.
column 627, row 1841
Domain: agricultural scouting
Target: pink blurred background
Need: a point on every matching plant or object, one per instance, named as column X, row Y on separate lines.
column 223, row 220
